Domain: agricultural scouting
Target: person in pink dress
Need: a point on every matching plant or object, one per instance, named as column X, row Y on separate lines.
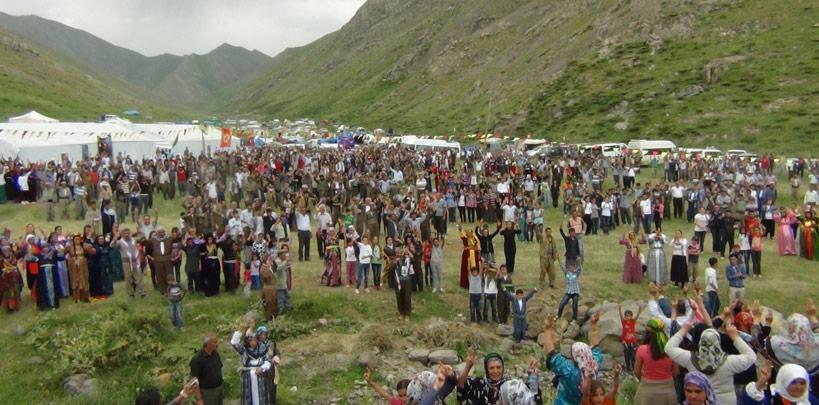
column 633, row 266
column 785, row 237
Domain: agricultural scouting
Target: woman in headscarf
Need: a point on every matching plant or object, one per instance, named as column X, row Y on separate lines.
column 486, row 390
column 516, row 392
column 77, row 252
column 711, row 360
column 11, row 282
column 100, row 271
column 792, row 387
column 698, row 390
column 800, row 346
column 585, row 362
column 210, row 267
column 254, row 366
column 419, row 386
column 633, row 266
column 332, row 260
column 653, row 368
column 267, row 273
column 47, row 279
column 470, row 257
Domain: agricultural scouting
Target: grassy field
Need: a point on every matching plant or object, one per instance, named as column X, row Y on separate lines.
column 126, row 344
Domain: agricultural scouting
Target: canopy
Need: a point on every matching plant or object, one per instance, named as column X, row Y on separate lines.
column 31, row 117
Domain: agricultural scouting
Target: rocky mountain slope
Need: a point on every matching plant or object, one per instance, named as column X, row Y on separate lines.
column 200, row 82
column 32, row 77
column 611, row 69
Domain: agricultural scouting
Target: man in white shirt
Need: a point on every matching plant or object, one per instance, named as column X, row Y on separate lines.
column 509, row 213
column 303, row 226
column 647, row 210
column 235, row 225
column 323, row 222
column 365, row 254
column 701, row 226
column 712, row 303
column 677, row 195
column 811, row 196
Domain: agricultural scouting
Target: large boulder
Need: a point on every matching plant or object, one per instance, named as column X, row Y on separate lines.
column 504, row 330
column 368, row 359
column 444, row 356
column 419, row 355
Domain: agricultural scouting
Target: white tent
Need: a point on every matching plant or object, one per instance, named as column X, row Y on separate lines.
column 31, row 117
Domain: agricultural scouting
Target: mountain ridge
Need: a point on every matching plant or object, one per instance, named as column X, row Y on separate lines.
column 185, row 79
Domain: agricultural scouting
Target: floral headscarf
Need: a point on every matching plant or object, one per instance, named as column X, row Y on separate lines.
column 420, row 385
column 515, row 392
column 658, row 327
column 800, row 346
column 701, row 381
column 709, row 355
column 581, row 353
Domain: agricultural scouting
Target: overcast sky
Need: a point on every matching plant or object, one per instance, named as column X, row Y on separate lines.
column 152, row 27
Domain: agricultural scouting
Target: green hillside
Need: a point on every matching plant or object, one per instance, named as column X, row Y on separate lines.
column 558, row 69
column 746, row 78
column 199, row 82
column 32, row 78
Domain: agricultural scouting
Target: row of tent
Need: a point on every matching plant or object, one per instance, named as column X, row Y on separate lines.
column 34, row 137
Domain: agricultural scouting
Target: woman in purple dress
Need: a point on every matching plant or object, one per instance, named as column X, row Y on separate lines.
column 633, row 266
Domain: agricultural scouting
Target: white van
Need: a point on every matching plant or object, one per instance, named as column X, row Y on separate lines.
column 650, row 149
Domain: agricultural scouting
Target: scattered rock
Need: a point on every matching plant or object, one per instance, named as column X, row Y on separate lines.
column 689, row 91
column 20, row 330
column 294, row 389
column 80, row 384
column 321, row 322
column 444, row 356
column 621, row 126
column 419, row 355
column 36, row 360
column 572, row 331
column 504, row 330
column 506, row 345
column 714, row 68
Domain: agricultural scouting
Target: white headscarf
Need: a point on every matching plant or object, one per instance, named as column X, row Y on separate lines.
column 515, row 392
column 786, row 376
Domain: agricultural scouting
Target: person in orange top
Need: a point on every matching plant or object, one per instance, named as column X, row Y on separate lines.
column 594, row 392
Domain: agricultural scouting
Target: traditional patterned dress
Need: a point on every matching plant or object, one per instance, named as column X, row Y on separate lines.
column 11, row 284
column 210, row 271
column 332, row 261
column 78, row 272
column 62, row 275
column 48, row 296
column 808, row 238
column 657, row 272
column 632, row 265
column 469, row 257
column 255, row 387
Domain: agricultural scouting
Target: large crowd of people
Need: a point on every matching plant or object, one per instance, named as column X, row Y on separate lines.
column 379, row 219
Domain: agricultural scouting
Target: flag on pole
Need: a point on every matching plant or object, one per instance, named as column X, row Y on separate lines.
column 226, row 138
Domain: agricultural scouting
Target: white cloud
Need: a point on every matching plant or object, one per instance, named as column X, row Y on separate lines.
column 181, row 27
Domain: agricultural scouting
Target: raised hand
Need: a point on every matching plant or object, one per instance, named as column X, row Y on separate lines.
column 367, row 375
column 470, row 357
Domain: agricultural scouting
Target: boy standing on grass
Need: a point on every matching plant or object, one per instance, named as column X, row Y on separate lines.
column 490, row 293
column 519, row 302
column 475, row 292
column 628, row 322
column 175, row 295
column 571, row 271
